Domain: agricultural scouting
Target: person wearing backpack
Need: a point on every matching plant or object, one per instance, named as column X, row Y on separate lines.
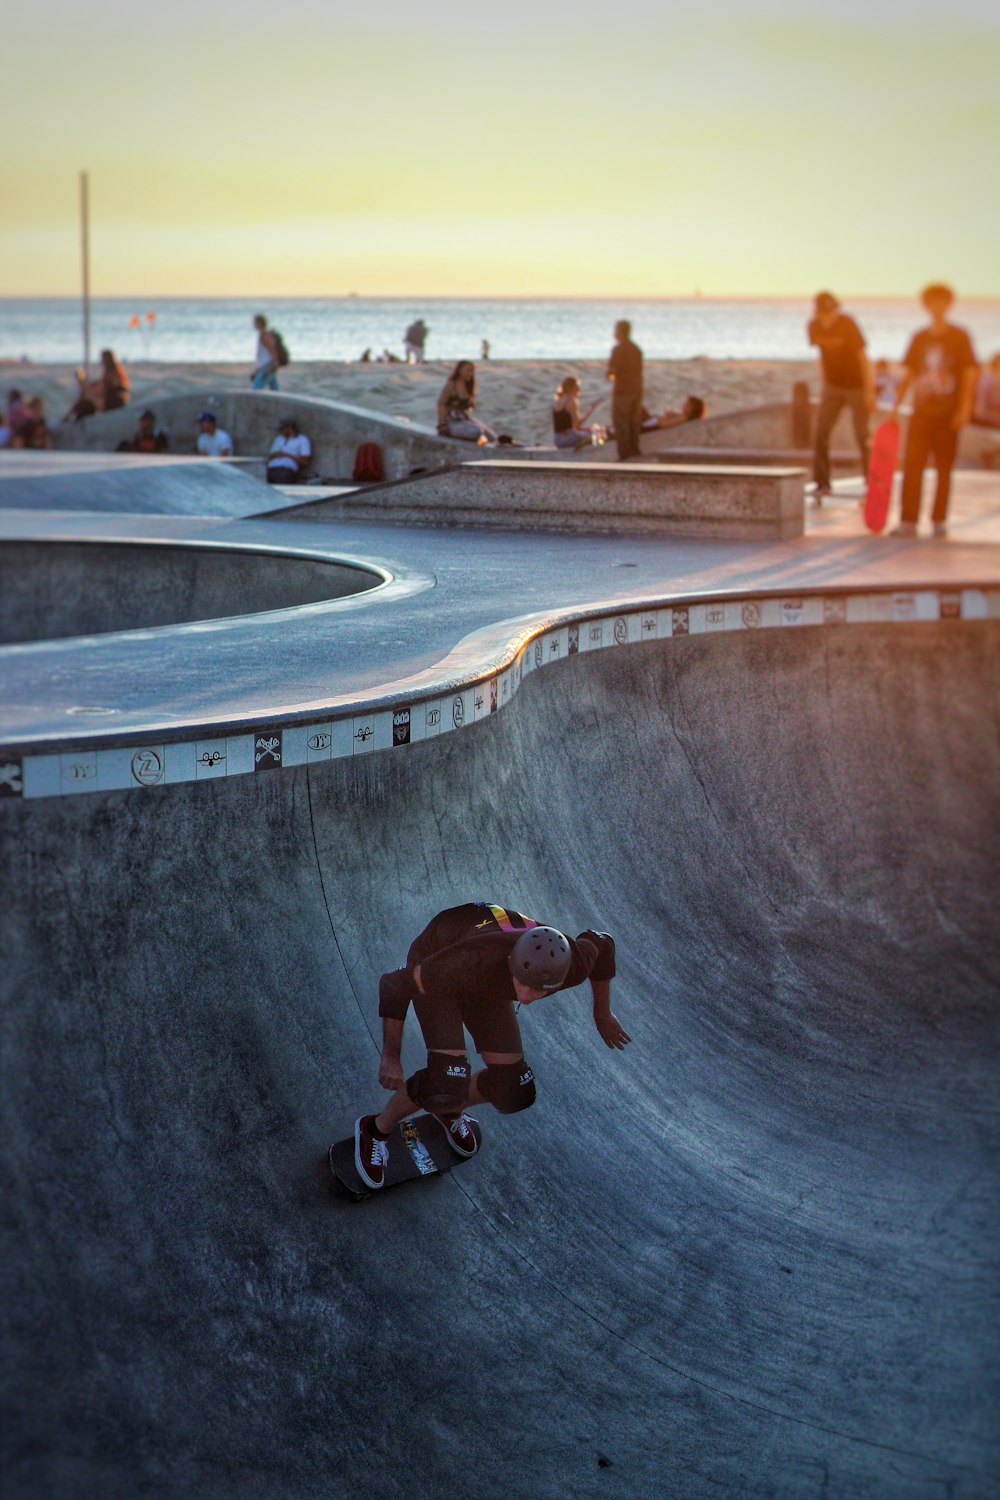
column 271, row 356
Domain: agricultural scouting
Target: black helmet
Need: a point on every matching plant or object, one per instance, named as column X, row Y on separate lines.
column 540, row 958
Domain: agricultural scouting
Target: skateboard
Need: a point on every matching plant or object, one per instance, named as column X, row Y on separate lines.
column 418, row 1147
column 881, row 471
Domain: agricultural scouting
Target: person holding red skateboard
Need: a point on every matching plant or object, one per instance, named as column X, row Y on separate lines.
column 470, row 967
column 941, row 369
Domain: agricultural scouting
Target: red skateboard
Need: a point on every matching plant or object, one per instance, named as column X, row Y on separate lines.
column 881, row 471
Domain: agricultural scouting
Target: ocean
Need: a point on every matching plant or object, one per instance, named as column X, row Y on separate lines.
column 48, row 330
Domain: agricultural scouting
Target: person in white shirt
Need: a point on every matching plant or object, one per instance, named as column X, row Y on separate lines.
column 290, row 455
column 213, row 441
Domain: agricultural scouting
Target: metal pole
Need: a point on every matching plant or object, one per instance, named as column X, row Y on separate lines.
column 85, row 249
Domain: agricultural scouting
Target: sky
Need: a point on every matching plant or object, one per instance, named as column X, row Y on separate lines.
column 310, row 147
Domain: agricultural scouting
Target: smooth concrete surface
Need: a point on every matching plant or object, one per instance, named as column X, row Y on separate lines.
column 707, row 501
column 133, row 484
column 334, row 428
column 770, row 428
column 755, row 1255
column 54, row 588
column 458, row 605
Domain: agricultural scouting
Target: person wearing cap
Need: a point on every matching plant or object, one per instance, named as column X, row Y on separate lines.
column 213, row 441
column 847, row 381
column 470, row 968
column 148, row 439
column 290, row 456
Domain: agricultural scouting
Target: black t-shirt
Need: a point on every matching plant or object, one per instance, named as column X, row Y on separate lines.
column 463, row 953
column 840, row 352
column 625, row 365
column 938, row 362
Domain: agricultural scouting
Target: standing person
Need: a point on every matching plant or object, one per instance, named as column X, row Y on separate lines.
column 265, row 373
column 469, row 968
column 940, row 367
column 457, row 404
column 414, row 340
column 113, row 383
column 213, row 440
column 847, row 381
column 625, row 369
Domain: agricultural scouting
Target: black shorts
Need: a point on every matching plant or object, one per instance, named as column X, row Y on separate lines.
column 493, row 1027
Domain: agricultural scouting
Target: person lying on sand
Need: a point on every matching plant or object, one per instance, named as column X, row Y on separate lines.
column 693, row 410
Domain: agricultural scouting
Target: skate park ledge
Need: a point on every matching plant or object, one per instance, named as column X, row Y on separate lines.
column 481, row 677
column 736, row 502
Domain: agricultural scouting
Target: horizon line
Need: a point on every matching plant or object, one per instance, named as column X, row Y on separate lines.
column 686, row 297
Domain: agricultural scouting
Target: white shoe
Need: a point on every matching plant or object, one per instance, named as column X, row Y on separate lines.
column 940, row 529
column 905, row 528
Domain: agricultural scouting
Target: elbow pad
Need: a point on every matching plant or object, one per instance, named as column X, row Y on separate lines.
column 395, row 991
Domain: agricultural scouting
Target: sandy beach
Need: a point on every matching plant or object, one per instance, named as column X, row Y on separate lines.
column 513, row 395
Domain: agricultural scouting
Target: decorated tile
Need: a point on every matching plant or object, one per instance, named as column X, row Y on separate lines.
column 210, row 759
column 835, row 609
column 268, row 750
column 11, row 776
column 593, row 634
column 402, row 725
column 78, row 772
column 715, row 616
column 363, row 733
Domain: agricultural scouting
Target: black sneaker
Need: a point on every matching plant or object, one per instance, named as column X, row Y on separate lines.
column 371, row 1156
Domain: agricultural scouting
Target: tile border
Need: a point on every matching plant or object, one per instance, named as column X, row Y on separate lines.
column 425, row 716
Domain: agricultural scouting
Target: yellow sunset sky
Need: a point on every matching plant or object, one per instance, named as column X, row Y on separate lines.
column 309, row 148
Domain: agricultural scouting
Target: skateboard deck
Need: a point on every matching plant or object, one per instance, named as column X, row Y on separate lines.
column 418, row 1147
column 881, row 471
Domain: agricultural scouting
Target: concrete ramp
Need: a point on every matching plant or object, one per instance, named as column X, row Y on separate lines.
column 754, row 1255
column 133, row 484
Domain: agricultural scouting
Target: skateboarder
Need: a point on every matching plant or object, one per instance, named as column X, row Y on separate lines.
column 847, row 381
column 468, row 968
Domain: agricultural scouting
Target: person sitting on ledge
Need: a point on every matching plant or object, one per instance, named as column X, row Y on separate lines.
column 88, row 396
column 213, row 440
column 456, row 405
column 568, row 429
column 290, row 456
column 148, row 438
column 34, row 432
column 693, row 410
column 113, row 382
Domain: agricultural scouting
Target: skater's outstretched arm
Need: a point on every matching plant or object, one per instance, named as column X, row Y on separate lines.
column 612, row 1032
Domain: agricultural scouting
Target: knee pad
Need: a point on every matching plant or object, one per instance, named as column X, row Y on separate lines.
column 443, row 1086
column 509, row 1087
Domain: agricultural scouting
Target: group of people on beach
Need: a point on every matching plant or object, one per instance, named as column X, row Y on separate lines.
column 939, row 372
column 572, row 428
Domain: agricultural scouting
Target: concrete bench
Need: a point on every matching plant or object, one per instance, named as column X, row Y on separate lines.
column 737, row 502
